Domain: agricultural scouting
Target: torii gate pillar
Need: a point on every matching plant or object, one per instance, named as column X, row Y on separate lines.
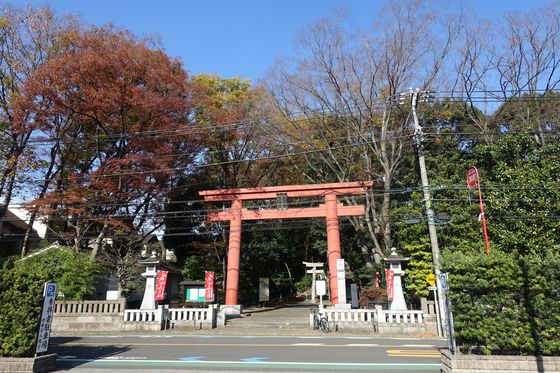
column 333, row 244
column 331, row 210
column 234, row 253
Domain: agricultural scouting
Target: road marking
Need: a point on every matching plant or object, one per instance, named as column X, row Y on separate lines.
column 264, row 364
column 362, row 345
column 414, row 353
column 307, row 344
column 254, row 359
column 427, row 346
column 126, row 358
column 301, row 344
column 192, row 358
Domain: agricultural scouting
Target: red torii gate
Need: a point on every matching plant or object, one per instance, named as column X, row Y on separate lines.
column 331, row 210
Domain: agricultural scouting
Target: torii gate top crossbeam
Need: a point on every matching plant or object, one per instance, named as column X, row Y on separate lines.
column 292, row 191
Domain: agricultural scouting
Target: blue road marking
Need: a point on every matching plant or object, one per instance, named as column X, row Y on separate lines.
column 253, row 359
column 192, row 358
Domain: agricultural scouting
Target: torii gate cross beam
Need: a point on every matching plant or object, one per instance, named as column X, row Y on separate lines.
column 331, row 210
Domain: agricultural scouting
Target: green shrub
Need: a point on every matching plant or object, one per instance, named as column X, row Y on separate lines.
column 504, row 303
column 21, row 289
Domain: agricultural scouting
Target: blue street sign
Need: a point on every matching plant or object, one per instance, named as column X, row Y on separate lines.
column 443, row 279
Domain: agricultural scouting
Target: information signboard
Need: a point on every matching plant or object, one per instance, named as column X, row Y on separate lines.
column 195, row 295
column 321, row 287
column 44, row 333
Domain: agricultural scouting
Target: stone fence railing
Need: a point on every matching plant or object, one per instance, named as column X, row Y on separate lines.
column 383, row 321
column 205, row 315
column 97, row 307
column 158, row 314
column 403, row 317
column 165, row 318
column 72, row 316
column 363, row 318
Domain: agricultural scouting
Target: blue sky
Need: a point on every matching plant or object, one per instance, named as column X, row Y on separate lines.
column 235, row 37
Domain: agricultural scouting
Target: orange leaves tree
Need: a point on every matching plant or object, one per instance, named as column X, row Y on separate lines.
column 114, row 110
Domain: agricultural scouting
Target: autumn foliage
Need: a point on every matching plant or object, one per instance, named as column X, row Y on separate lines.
column 117, row 110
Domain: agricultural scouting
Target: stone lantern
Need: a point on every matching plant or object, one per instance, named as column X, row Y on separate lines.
column 395, row 260
column 148, row 302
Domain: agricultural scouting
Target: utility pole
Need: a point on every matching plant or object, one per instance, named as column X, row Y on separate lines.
column 419, row 137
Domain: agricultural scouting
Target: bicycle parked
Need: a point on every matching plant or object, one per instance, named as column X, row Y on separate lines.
column 320, row 321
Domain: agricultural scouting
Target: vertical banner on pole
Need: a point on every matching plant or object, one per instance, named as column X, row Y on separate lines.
column 46, row 318
column 390, row 284
column 161, row 282
column 209, row 286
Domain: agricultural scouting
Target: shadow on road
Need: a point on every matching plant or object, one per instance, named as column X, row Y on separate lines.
column 71, row 353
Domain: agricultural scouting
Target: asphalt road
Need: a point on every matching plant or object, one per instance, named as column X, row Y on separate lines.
column 246, row 353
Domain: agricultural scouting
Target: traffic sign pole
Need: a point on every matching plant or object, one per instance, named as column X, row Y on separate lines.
column 431, row 280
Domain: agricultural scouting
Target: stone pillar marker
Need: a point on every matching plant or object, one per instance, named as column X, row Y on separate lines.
column 395, row 260
column 341, row 282
column 148, row 302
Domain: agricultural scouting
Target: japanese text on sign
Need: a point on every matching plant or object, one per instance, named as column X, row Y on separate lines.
column 161, row 282
column 390, row 284
column 209, row 286
column 46, row 318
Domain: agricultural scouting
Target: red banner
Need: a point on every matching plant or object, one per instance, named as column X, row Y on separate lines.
column 161, row 282
column 390, row 284
column 209, row 287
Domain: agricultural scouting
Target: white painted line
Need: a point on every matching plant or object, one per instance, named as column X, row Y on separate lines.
column 179, row 362
column 311, row 337
column 429, row 346
column 307, row 344
column 361, row 344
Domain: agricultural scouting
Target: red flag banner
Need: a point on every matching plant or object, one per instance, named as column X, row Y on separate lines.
column 390, row 284
column 209, row 286
column 161, row 282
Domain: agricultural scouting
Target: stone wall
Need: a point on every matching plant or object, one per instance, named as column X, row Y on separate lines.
column 497, row 363
column 88, row 316
column 62, row 324
column 110, row 316
column 45, row 363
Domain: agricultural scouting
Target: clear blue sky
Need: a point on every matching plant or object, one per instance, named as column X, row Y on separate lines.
column 234, row 37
